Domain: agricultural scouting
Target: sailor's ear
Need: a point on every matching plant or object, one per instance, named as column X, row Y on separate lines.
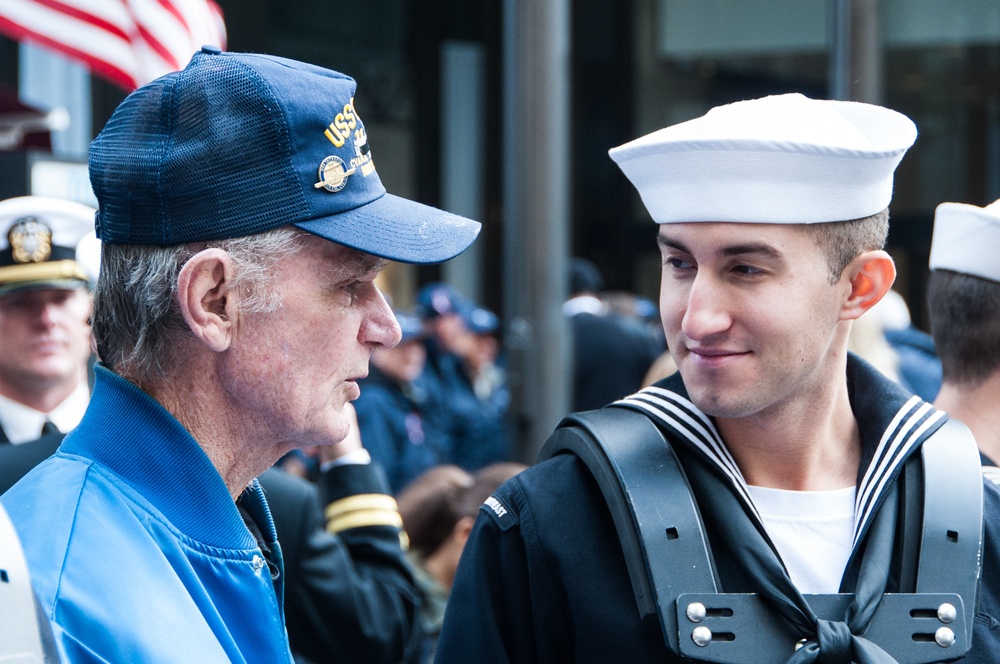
column 869, row 276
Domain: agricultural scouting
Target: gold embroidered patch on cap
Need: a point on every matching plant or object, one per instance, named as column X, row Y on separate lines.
column 30, row 241
column 333, row 174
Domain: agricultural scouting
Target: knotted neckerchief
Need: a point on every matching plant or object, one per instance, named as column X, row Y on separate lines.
column 826, row 641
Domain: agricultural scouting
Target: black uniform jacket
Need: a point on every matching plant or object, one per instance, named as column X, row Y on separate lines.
column 17, row 460
column 349, row 597
column 543, row 577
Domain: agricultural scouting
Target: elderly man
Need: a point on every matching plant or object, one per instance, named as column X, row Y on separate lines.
column 243, row 224
column 963, row 296
column 763, row 504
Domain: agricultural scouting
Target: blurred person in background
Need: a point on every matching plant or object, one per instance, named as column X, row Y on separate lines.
column 44, row 316
column 963, row 298
column 478, row 392
column 48, row 259
column 919, row 366
column 393, row 405
column 438, row 307
column 439, row 509
column 612, row 352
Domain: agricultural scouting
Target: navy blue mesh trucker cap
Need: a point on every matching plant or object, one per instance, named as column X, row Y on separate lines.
column 237, row 144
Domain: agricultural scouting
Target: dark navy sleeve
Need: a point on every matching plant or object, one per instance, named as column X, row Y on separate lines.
column 543, row 579
column 986, row 629
column 492, row 601
column 349, row 593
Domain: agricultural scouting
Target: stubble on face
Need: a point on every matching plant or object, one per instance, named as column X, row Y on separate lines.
column 297, row 367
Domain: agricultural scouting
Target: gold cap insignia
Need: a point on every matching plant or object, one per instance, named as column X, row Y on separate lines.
column 333, row 174
column 30, row 241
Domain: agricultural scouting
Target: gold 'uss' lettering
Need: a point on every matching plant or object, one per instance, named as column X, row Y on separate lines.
column 342, row 124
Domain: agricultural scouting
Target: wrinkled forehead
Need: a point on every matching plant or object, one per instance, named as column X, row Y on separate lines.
column 341, row 261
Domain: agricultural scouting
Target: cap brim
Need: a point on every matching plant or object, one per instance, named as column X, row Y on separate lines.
column 49, row 284
column 398, row 229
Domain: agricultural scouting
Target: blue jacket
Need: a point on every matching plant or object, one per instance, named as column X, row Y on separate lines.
column 136, row 549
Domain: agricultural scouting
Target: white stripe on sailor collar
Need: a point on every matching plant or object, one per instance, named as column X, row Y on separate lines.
column 907, row 428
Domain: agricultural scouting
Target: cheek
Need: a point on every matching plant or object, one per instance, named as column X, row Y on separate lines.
column 671, row 310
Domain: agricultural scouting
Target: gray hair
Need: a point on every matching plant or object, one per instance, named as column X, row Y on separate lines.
column 137, row 319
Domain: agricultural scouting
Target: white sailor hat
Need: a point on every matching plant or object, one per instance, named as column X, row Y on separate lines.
column 42, row 244
column 780, row 159
column 967, row 239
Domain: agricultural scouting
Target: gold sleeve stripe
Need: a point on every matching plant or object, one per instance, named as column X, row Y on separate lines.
column 362, row 501
column 364, row 518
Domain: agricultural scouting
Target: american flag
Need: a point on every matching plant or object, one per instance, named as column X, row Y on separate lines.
column 129, row 42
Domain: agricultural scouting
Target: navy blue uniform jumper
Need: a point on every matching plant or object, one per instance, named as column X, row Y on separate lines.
column 543, row 578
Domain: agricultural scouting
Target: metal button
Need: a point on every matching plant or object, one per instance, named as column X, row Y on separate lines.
column 946, row 613
column 701, row 636
column 800, row 643
column 258, row 563
column 944, row 637
column 696, row 612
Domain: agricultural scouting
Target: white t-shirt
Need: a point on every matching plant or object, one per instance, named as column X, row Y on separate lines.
column 813, row 532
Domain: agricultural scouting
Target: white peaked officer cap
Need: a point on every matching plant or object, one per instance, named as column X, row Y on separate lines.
column 967, row 239
column 780, row 159
column 44, row 244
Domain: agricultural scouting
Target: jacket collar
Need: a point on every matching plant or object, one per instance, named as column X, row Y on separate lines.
column 127, row 433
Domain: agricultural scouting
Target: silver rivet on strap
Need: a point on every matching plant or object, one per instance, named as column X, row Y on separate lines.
column 701, row 636
column 946, row 613
column 696, row 612
column 944, row 637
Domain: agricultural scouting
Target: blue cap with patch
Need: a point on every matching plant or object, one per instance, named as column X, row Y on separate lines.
column 237, row 144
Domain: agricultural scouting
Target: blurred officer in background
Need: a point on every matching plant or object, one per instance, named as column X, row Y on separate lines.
column 44, row 316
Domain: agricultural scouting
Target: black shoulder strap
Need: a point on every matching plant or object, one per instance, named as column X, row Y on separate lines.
column 658, row 523
column 650, row 501
column 952, row 534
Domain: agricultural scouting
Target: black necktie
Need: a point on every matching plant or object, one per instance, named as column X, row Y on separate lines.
column 49, row 428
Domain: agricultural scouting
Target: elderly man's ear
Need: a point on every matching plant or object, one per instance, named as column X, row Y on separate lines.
column 206, row 300
column 870, row 277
